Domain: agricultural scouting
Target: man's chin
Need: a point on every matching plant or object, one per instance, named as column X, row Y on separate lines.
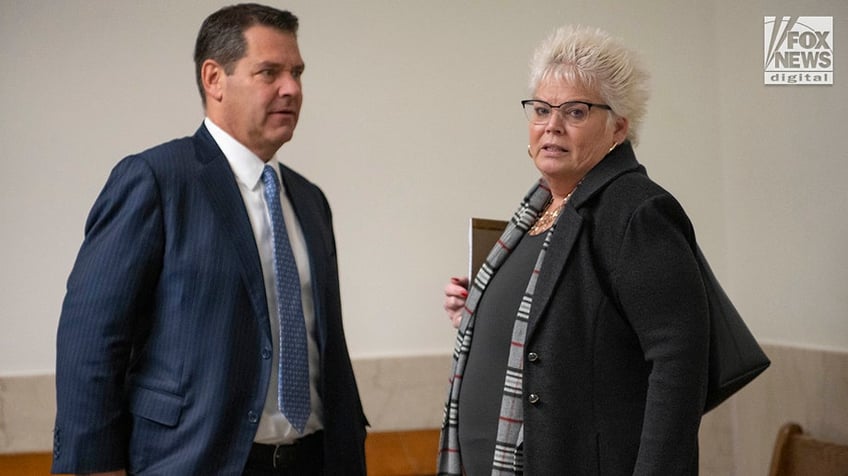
column 278, row 139
column 282, row 132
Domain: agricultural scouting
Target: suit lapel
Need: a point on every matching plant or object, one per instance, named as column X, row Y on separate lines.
column 217, row 179
column 307, row 209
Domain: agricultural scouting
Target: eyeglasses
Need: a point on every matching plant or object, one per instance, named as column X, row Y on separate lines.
column 574, row 113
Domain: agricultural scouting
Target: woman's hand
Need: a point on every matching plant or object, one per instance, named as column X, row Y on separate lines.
column 455, row 293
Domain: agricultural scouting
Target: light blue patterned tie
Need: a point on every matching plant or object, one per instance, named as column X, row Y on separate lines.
column 294, row 362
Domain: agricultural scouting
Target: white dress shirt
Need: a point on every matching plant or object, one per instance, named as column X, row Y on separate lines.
column 248, row 167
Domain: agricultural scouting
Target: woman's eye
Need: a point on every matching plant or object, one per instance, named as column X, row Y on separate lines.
column 576, row 113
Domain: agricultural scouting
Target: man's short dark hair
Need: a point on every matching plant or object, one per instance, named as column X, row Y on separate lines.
column 221, row 36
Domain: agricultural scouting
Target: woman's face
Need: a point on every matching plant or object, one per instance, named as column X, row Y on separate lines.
column 562, row 152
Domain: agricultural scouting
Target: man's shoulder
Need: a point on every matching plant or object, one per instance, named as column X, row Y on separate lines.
column 166, row 151
column 184, row 153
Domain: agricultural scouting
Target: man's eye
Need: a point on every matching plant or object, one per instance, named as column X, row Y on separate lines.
column 267, row 74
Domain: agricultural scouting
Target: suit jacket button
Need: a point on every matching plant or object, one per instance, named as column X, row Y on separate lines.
column 532, row 356
column 252, row 417
column 266, row 353
column 533, row 398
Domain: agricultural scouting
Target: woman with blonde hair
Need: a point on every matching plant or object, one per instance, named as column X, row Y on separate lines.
column 582, row 342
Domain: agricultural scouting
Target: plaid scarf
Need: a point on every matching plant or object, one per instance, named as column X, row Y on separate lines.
column 507, row 458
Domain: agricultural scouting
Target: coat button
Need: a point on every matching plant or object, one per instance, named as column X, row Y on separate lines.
column 266, row 353
column 532, row 356
column 252, row 417
column 533, row 398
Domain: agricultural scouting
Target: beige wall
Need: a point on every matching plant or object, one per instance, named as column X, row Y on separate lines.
column 411, row 124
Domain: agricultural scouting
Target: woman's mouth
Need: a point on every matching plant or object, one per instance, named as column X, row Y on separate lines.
column 553, row 148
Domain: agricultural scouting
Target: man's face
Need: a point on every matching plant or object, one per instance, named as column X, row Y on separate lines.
column 260, row 100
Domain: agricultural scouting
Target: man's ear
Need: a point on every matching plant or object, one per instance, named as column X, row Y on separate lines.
column 213, row 77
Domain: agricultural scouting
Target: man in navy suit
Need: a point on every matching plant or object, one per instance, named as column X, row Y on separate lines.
column 168, row 342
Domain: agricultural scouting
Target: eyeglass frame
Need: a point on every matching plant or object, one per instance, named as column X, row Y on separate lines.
column 589, row 105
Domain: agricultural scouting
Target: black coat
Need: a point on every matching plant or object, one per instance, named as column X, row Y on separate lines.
column 619, row 327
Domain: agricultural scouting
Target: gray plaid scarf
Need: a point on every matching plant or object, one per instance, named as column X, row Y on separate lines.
column 508, row 458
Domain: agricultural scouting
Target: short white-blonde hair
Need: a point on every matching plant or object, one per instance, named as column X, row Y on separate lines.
column 592, row 59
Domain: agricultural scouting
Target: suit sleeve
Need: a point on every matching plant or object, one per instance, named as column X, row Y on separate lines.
column 109, row 293
column 659, row 287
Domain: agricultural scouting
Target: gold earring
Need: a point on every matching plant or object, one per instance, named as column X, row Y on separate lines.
column 613, row 147
column 528, row 151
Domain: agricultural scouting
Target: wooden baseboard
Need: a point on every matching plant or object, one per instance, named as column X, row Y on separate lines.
column 398, row 453
column 402, row 453
column 28, row 464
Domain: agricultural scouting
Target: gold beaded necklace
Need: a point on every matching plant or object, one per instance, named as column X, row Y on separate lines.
column 550, row 215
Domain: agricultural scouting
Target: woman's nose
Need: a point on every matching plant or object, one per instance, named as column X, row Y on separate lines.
column 556, row 123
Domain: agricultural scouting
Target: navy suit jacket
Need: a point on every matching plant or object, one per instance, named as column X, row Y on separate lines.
column 164, row 343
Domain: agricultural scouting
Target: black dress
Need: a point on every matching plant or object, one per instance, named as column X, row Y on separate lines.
column 483, row 382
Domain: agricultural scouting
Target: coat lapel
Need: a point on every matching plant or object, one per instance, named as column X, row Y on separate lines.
column 217, row 179
column 618, row 162
column 562, row 242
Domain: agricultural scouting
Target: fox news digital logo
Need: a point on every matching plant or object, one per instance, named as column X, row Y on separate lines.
column 798, row 50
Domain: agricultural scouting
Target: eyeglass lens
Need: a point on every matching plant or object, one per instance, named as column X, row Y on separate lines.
column 539, row 112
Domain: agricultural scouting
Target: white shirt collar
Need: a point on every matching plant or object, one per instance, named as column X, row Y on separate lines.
column 246, row 166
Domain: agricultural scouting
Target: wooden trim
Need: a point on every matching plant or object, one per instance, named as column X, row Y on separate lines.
column 397, row 453
column 25, row 464
column 407, row 453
